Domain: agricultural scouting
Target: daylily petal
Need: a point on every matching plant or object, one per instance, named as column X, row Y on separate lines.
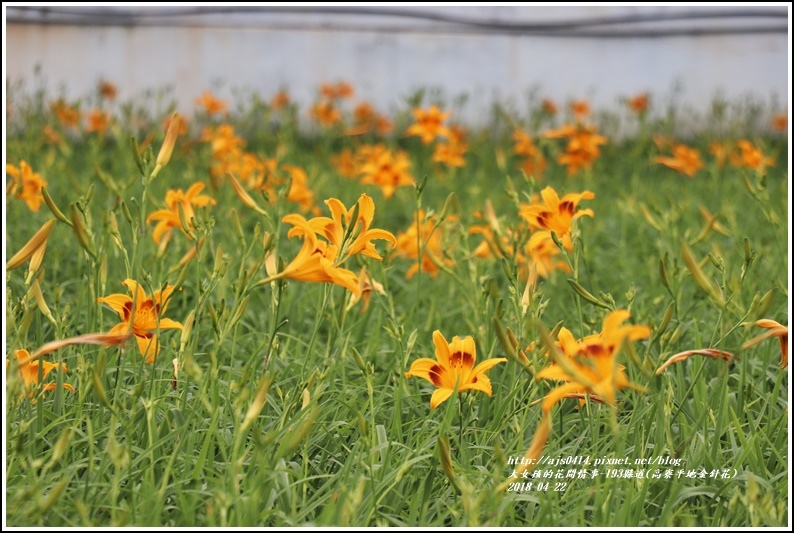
column 480, row 382
column 149, row 346
column 120, row 303
column 442, row 348
column 440, row 396
column 485, row 366
column 421, row 368
column 554, row 372
column 550, row 197
column 366, row 212
column 167, row 323
column 139, row 295
column 569, row 346
column 560, row 393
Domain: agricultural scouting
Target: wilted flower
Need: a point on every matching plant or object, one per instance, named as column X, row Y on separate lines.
column 774, row 329
column 454, row 367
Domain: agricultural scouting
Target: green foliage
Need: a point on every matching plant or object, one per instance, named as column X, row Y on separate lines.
column 289, row 410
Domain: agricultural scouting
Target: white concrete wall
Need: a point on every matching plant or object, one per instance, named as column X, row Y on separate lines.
column 387, row 58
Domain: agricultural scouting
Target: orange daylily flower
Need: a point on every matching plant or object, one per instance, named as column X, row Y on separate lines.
column 388, row 170
column 542, row 251
column 429, row 124
column 454, row 367
column 548, row 106
column 780, row 122
column 299, row 191
column 534, row 163
column 26, row 185
column 523, row 144
column 107, row 90
column 29, row 371
column 168, row 219
column 639, row 103
column 223, row 140
column 316, row 261
column 751, row 157
column 98, row 121
column 337, row 91
column 534, row 167
column 211, row 104
column 685, row 160
column 431, row 235
column 451, row 154
column 67, row 115
column 51, row 135
column 337, row 230
column 588, row 367
column 493, row 243
column 326, row 113
column 583, row 146
column 553, row 214
column 774, row 329
column 366, row 120
column 720, row 151
column 580, row 110
column 142, row 316
column 280, row 100
column 346, row 163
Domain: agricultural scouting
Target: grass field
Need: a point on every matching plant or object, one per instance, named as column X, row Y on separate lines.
column 273, row 399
